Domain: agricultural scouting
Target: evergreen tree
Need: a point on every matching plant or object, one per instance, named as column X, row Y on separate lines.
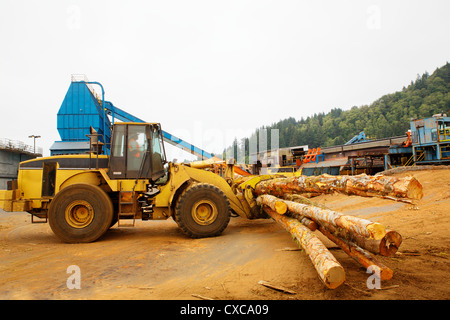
column 388, row 116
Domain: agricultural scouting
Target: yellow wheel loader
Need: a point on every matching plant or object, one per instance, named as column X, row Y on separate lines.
column 82, row 196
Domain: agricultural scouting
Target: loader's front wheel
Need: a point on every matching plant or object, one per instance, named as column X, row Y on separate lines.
column 202, row 210
column 80, row 213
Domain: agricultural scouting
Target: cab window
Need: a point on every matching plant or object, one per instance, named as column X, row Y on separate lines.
column 137, row 144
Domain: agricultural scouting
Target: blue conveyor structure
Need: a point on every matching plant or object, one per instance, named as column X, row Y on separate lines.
column 117, row 113
column 360, row 137
column 82, row 109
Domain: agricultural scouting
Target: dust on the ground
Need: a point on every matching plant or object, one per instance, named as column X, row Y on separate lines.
column 154, row 260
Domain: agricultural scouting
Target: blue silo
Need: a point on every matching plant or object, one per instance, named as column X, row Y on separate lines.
column 79, row 111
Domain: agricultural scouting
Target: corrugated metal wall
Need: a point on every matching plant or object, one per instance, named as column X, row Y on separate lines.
column 78, row 112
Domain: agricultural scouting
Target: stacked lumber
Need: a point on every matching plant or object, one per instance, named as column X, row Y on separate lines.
column 361, row 239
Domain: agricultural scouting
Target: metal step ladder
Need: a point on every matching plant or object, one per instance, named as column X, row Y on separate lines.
column 126, row 201
column 41, row 218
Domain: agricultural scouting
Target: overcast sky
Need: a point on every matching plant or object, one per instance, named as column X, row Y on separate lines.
column 210, row 71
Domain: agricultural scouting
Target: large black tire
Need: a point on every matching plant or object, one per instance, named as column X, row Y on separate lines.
column 202, row 210
column 80, row 213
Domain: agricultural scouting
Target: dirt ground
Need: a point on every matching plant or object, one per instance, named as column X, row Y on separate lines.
column 155, row 261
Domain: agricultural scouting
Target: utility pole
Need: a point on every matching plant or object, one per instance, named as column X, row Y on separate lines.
column 34, row 142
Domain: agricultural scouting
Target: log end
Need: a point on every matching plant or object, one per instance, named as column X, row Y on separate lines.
column 280, row 207
column 390, row 243
column 334, row 277
column 386, row 274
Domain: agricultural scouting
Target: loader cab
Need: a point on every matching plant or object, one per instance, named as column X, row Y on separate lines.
column 137, row 151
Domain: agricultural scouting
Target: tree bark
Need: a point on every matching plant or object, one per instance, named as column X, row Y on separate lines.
column 310, row 224
column 362, row 185
column 328, row 268
column 363, row 227
column 386, row 246
column 359, row 254
column 302, row 199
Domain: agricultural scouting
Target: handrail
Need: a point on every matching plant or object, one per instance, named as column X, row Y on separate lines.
column 90, row 148
column 19, row 146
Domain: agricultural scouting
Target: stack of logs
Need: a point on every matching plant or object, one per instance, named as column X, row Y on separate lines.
column 361, row 239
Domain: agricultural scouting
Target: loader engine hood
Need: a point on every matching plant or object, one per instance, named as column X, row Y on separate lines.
column 68, row 162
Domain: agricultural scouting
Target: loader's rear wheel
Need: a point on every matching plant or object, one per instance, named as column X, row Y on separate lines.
column 80, row 213
column 202, row 210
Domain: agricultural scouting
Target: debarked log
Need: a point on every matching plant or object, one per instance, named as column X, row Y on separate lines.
column 328, row 268
column 362, row 185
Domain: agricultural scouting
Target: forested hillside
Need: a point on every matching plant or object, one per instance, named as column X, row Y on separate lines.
column 388, row 116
